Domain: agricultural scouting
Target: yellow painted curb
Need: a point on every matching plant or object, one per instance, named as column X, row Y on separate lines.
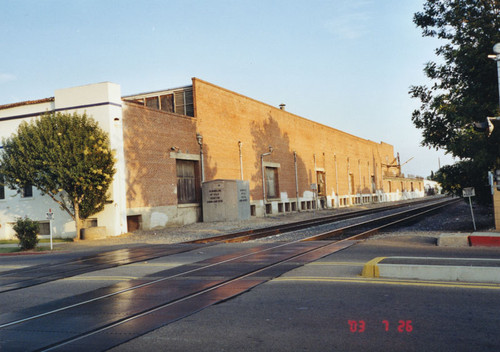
column 371, row 268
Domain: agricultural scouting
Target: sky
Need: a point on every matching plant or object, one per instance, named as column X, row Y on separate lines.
column 347, row 64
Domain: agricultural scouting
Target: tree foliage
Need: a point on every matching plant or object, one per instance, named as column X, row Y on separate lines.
column 65, row 156
column 454, row 178
column 464, row 85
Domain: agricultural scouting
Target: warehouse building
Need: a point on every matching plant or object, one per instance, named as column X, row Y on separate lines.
column 169, row 143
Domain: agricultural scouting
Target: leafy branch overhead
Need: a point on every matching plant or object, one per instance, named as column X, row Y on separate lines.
column 66, row 156
column 464, row 87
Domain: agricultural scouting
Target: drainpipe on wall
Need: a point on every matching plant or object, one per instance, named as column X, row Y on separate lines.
column 349, row 181
column 336, row 180
column 241, row 159
column 315, row 180
column 264, row 200
column 359, row 172
column 381, row 180
column 296, row 180
column 325, row 182
column 199, row 138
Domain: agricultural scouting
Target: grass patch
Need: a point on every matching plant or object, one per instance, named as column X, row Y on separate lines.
column 44, row 240
column 10, row 250
column 9, row 241
column 54, row 240
column 44, row 247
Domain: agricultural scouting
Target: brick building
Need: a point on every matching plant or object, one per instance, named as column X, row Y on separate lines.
column 170, row 141
column 235, row 131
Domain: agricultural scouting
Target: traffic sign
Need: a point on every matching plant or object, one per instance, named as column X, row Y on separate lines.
column 468, row 192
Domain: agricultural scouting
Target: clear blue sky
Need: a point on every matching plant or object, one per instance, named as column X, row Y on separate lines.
column 345, row 63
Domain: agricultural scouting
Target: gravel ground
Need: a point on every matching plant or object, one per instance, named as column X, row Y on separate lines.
column 456, row 218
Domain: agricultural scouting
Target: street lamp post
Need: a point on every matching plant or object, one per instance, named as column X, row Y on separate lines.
column 489, row 125
column 496, row 57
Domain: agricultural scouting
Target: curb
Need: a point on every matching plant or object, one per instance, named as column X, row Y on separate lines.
column 476, row 239
column 31, row 253
column 486, row 239
column 371, row 268
column 426, row 268
column 20, row 253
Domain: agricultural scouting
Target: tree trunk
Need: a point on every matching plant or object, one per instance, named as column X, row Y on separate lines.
column 78, row 221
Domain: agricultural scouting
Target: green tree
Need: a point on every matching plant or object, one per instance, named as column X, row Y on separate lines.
column 65, row 156
column 454, row 178
column 464, row 87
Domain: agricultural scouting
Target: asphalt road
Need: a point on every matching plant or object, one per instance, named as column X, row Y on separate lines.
column 324, row 305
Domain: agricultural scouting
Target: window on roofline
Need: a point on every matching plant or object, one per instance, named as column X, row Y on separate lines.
column 179, row 102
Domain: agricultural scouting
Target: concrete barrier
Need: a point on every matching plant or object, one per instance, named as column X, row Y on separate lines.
column 453, row 240
column 94, row 233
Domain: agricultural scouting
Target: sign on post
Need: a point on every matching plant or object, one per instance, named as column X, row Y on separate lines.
column 470, row 192
column 50, row 217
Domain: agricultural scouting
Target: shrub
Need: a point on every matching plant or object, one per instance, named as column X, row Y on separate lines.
column 26, row 231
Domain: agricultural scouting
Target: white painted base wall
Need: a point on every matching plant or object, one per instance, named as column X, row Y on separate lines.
column 307, row 202
column 163, row 216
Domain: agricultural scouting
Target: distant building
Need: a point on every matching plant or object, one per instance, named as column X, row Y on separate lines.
column 432, row 187
column 167, row 143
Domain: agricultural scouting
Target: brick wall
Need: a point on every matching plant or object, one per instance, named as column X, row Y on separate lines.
column 403, row 184
column 148, row 137
column 225, row 117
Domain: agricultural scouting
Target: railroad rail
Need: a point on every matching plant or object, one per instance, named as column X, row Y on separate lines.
column 106, row 317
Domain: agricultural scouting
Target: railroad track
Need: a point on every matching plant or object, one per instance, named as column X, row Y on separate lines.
column 370, row 227
column 423, row 206
column 36, row 275
column 107, row 317
column 31, row 276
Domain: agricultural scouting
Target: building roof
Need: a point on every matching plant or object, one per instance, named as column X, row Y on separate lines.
column 28, row 102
